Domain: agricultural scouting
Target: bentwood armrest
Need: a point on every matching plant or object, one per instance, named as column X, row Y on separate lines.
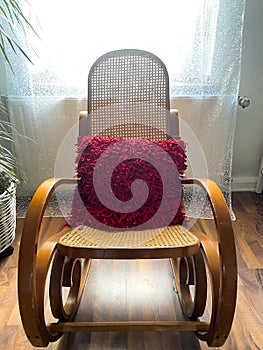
column 226, row 253
column 222, row 219
column 218, row 206
column 39, row 203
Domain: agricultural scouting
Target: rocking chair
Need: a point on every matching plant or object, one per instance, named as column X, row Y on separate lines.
column 128, row 99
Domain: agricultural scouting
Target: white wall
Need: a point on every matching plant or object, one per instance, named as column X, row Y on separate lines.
column 248, row 146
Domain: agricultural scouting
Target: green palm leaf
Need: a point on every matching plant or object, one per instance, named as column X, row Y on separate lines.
column 13, row 19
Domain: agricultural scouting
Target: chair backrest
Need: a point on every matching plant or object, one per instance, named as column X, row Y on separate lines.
column 128, row 95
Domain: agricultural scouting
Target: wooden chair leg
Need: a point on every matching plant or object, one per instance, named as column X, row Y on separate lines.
column 33, row 303
column 31, row 294
column 37, row 257
column 221, row 262
column 70, row 274
column 191, row 281
column 193, row 305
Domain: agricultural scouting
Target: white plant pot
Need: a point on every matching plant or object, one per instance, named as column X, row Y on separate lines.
column 7, row 217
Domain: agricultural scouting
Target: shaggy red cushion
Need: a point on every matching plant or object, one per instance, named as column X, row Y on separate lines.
column 128, row 184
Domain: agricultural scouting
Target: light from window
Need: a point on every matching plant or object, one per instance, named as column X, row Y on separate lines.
column 75, row 34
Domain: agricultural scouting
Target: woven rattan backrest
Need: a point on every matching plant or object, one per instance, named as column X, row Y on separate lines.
column 128, row 95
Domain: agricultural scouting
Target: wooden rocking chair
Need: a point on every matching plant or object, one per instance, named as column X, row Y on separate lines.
column 128, row 96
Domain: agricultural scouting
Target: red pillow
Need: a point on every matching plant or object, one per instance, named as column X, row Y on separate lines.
column 128, row 184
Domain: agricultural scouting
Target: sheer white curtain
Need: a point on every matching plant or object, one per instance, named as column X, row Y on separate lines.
column 198, row 40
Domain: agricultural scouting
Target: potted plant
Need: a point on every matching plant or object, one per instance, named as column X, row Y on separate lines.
column 8, row 180
column 13, row 24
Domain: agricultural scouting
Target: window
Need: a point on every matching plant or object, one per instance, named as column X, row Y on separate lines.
column 181, row 33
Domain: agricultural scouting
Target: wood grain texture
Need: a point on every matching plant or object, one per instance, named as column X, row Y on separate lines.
column 137, row 290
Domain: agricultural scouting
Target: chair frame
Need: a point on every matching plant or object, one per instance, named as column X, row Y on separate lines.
column 39, row 254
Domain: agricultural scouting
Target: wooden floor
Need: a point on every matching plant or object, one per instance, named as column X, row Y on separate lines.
column 149, row 293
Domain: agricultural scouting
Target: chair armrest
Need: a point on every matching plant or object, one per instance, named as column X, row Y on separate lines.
column 224, row 230
column 35, row 256
column 217, row 203
column 223, row 264
column 38, row 205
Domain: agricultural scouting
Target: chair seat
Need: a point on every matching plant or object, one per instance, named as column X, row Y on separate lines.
column 88, row 242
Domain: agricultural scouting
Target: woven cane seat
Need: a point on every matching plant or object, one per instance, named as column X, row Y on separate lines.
column 171, row 241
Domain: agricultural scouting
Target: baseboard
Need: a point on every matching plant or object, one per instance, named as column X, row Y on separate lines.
column 240, row 184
